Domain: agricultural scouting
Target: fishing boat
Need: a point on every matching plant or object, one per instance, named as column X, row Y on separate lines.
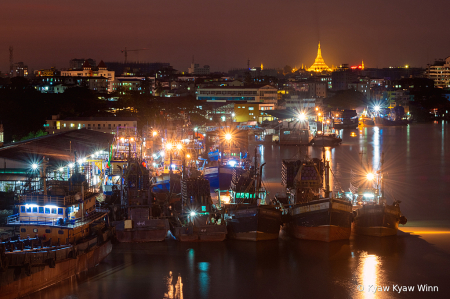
column 313, row 214
column 62, row 233
column 382, row 121
column 366, row 121
column 196, row 219
column 144, row 222
column 373, row 216
column 248, row 216
column 322, row 139
column 124, row 147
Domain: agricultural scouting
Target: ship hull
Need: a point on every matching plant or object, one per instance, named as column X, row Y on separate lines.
column 149, row 230
column 377, row 220
column 42, row 276
column 206, row 233
column 141, row 235
column 326, row 141
column 321, row 220
column 253, row 223
column 380, row 122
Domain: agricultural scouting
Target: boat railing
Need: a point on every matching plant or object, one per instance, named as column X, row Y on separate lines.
column 61, row 200
column 44, row 199
column 60, row 222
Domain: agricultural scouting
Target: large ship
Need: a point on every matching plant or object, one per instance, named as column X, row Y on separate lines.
column 62, row 233
column 247, row 215
column 373, row 216
column 313, row 214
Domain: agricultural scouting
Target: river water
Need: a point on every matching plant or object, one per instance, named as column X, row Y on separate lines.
column 417, row 160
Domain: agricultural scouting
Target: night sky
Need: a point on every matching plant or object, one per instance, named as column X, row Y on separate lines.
column 224, row 34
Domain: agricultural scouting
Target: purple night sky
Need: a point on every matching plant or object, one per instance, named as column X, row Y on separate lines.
column 224, row 34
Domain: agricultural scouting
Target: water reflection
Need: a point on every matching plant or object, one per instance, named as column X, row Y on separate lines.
column 376, row 148
column 174, row 289
column 368, row 274
column 203, row 279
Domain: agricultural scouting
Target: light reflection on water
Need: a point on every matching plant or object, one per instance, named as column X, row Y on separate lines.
column 174, row 290
column 368, row 269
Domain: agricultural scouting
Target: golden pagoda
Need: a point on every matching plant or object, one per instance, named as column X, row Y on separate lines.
column 319, row 65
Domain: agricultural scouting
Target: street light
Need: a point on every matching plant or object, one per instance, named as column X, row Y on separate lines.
column 154, row 133
column 302, row 117
column 370, row 176
column 34, row 166
column 169, row 146
column 179, row 146
column 228, row 136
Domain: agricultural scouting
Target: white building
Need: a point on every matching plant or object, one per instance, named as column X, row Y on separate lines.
column 124, row 84
column 265, row 94
column 100, row 124
column 195, row 69
column 439, row 72
column 87, row 71
column 296, row 102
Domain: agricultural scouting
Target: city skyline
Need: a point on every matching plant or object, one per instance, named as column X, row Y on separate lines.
column 224, row 36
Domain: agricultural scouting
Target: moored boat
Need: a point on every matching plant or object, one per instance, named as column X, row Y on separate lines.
column 321, row 139
column 247, row 215
column 373, row 216
column 381, row 121
column 312, row 216
column 62, row 233
column 197, row 220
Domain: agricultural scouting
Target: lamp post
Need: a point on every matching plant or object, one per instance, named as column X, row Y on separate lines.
column 228, row 138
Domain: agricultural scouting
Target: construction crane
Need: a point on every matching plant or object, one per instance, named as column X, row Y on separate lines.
column 126, row 52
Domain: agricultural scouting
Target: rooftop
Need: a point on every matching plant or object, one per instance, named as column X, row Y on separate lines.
column 57, row 147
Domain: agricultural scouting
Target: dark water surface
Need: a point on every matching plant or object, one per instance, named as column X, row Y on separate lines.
column 417, row 159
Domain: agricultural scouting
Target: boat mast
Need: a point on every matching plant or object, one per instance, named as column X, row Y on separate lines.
column 255, row 181
column 327, row 174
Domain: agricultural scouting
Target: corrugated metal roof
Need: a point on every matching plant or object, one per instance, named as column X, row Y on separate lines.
column 58, row 147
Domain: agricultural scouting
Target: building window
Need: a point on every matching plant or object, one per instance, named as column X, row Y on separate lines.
column 34, row 209
column 28, row 209
column 60, row 211
column 22, row 209
column 23, row 230
column 41, row 210
column 53, row 210
column 47, row 210
column 61, row 232
column 35, row 230
column 48, row 231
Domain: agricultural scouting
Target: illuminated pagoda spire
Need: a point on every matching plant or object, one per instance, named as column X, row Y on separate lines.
column 319, row 65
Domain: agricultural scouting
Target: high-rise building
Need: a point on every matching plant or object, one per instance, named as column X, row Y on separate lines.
column 77, row 64
column 195, row 69
column 439, row 72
